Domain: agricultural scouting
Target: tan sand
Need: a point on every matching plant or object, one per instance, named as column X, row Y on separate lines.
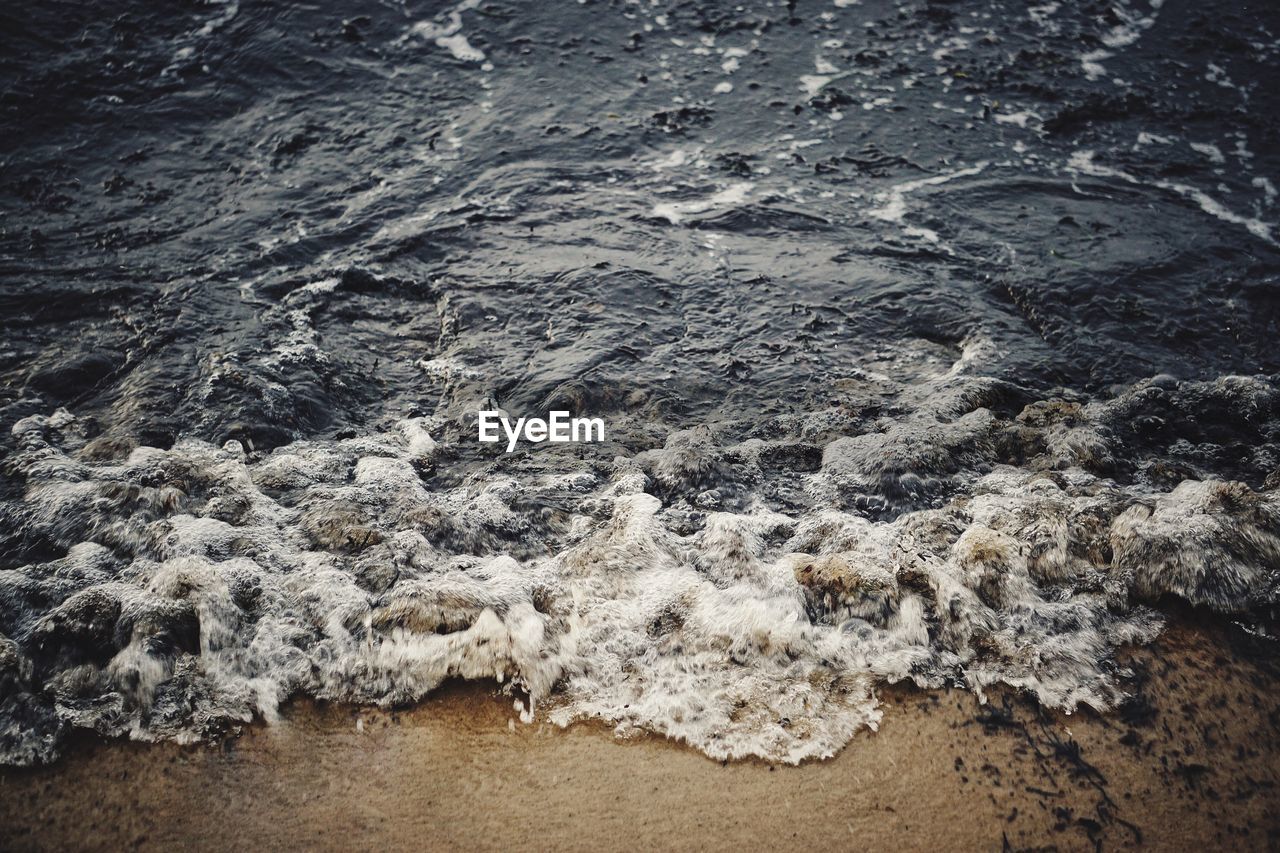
column 1194, row 764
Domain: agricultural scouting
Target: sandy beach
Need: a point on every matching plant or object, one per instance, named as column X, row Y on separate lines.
column 1191, row 763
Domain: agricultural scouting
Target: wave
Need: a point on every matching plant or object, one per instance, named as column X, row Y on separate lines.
column 670, row 591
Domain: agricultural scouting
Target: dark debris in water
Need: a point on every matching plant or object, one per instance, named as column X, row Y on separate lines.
column 1169, row 721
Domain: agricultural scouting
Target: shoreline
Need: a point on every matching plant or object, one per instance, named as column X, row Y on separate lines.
column 1193, row 760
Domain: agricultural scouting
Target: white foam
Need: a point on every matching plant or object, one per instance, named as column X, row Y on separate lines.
column 1043, row 17
column 188, row 42
column 1131, row 27
column 676, row 211
column 1213, row 152
column 1082, row 161
column 893, row 201
column 674, row 160
column 329, row 568
column 1268, row 188
column 1021, row 119
column 449, row 35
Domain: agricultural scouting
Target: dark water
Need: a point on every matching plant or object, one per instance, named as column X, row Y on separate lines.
column 935, row 341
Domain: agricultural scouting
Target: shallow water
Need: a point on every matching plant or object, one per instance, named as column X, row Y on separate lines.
column 935, row 341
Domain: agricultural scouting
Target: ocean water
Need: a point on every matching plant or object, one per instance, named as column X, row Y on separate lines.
column 935, row 341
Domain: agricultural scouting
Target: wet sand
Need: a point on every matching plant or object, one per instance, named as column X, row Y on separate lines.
column 1192, row 763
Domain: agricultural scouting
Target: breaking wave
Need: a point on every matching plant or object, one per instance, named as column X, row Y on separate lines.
column 203, row 586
